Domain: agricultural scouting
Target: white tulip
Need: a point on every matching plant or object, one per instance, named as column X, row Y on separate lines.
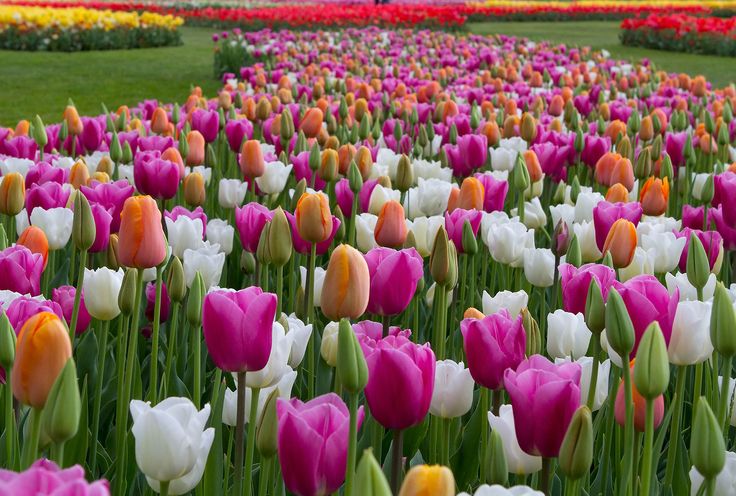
column 56, row 224
column 513, row 302
column 328, row 348
column 411, row 204
column 517, row 460
column 502, row 159
column 641, row 263
column 690, row 341
column 585, row 204
column 379, row 197
column 425, row 230
column 513, row 143
column 585, row 232
column 725, row 481
column 389, row 159
column 126, row 173
column 655, row 225
column 490, row 219
column 184, row 234
column 429, row 296
column 21, row 221
column 568, row 193
column 498, row 490
column 230, row 405
column 205, row 172
column 687, row 290
column 507, row 243
column 433, row 196
column 539, row 267
column 62, row 162
column 567, row 335
column 299, row 334
column 664, row 249
column 221, row 233
column 101, row 289
column 534, row 215
column 601, row 388
column 365, row 224
column 13, row 164
column 424, row 169
column 453, row 390
column 562, row 212
column 698, row 181
column 231, row 193
column 171, row 442
column 274, row 177
column 278, row 361
column 319, row 279
column 207, row 260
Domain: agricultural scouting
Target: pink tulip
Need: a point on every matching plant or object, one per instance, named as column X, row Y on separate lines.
column 693, row 217
column 302, row 171
column 151, row 302
column 313, row 443
column 400, row 381
column 454, row 224
column 250, row 220
column 206, row 122
column 45, row 478
column 344, row 197
column 155, row 176
column 21, row 270
column 394, row 278
column 111, row 196
column 369, row 330
column 25, row 307
column 92, row 134
column 544, row 397
column 712, row 242
column 605, row 214
column 495, row 192
column 576, row 281
column 303, row 247
column 43, row 172
column 364, row 195
column 47, row 195
column 103, row 221
column 493, row 345
column 469, row 154
column 724, row 193
column 64, row 296
column 237, row 328
column 155, row 143
column 237, row 131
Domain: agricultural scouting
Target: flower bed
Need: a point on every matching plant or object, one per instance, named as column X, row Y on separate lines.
column 682, row 33
column 77, row 28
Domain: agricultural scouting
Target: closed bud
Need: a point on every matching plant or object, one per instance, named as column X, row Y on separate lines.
column 329, row 166
column 595, row 308
column 12, row 194
column 666, row 170
column 279, row 239
column 533, row 334
column 263, row 109
column 126, row 297
column 351, row 365
column 528, row 127
column 574, row 190
column 83, row 225
column 624, row 147
column 267, row 429
column 559, row 195
column 404, row 174
column 370, row 478
column 355, row 179
column 619, row 328
column 63, row 406
column 579, row 141
column 263, row 255
column 560, row 238
column 340, row 233
column 112, row 252
column 698, row 266
column 194, row 190
column 656, row 147
column 116, row 150
column 574, row 255
column 608, row 260
column 470, row 243
column 194, row 301
column 634, row 123
column 128, row 153
column 723, row 323
column 175, row 284
column 576, row 451
column 708, row 190
column 643, row 167
column 7, row 342
column 652, row 367
column 440, row 259
column 315, row 157
column 520, row 174
column 210, row 157
column 39, row 132
column 497, row 471
column 707, row 448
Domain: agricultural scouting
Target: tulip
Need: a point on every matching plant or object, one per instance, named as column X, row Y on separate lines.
column 538, row 387
column 725, row 481
column 568, row 336
column 507, row 242
column 207, row 260
column 469, row 154
column 606, row 214
column 313, row 219
column 498, row 490
column 495, row 192
column 237, row 327
column 621, row 243
column 56, row 223
column 156, row 176
column 707, row 448
column 316, row 431
column 453, row 390
column 22, row 308
column 250, row 221
column 196, row 148
column 712, row 241
column 665, row 249
column 64, row 296
column 35, row 240
column 690, row 340
column 454, row 224
column 428, row 479
column 311, row 122
column 394, row 275
column 513, row 303
column 251, row 160
column 111, row 196
column 576, row 281
column 518, row 461
column 277, row 365
column 390, row 230
column 22, row 269
column 184, row 233
column 654, row 196
column 274, row 177
column 236, row 131
column 221, row 233
column 171, row 443
column 304, row 247
column 231, row 193
column 346, row 288
column 47, row 195
column 369, row 476
column 45, row 478
column 102, row 288
column 539, row 267
column 493, row 345
column 142, row 242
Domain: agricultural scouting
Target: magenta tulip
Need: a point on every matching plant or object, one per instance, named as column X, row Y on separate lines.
column 605, row 214
column 155, row 176
column 544, row 397
column 400, row 381
column 103, row 220
column 313, row 443
column 151, row 302
column 25, row 307
column 494, row 192
column 250, row 220
column 724, row 228
column 344, row 197
column 92, row 134
column 576, row 281
column 724, row 193
column 206, row 122
column 47, row 195
column 454, row 222
column 304, row 247
column 21, row 270
column 43, row 172
column 237, row 328
column 594, row 149
column 394, row 278
column 237, row 131
column 693, row 217
column 364, row 195
column 111, row 196
column 155, row 143
column 302, row 171
column 469, row 154
column 712, row 242
column 45, row 478
column 64, row 296
column 370, row 331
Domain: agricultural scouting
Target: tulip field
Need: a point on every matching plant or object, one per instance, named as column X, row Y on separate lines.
column 372, row 251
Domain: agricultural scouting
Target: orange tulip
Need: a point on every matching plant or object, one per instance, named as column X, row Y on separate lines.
column 453, row 199
column 346, row 285
column 251, row 160
column 493, row 134
column 195, row 140
column 42, row 350
column 604, row 167
column 364, row 161
column 621, row 243
column 533, row 166
column 471, row 194
column 473, row 313
column 142, row 243
column 79, row 174
column 194, row 189
column 390, row 228
column 12, row 194
column 35, row 240
column 615, row 128
column 646, row 131
column 73, row 121
column 311, row 123
column 617, row 194
column 654, row 196
column 172, row 155
column 346, row 153
column 22, row 128
column 313, row 217
column 159, row 121
column 623, row 172
column 556, row 106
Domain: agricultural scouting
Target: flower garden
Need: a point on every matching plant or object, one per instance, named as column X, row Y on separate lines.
column 375, row 253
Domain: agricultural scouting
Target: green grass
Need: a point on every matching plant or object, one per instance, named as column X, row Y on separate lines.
column 604, row 34
column 40, row 83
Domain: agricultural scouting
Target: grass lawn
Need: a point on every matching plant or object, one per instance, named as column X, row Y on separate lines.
column 40, row 83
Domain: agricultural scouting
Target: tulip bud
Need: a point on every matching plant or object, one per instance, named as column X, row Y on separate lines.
column 263, row 109
column 351, row 365
column 210, row 157
column 575, row 189
column 723, row 323
column 436, row 480
column 656, row 148
column 175, row 283
column 194, row 190
column 128, row 153
column 370, row 478
column 576, row 451
column 520, row 174
column 470, row 243
column 404, row 174
column 263, row 255
column 619, row 328
column 634, row 123
column 12, row 194
column 194, row 301
column 574, row 255
column 328, row 169
column 698, row 266
column 63, row 406
column 83, row 226
column 643, row 167
column 440, row 259
column 39, row 132
column 595, row 308
column 666, row 170
column 624, row 147
column 528, row 127
column 652, row 368
column 267, row 429
column 126, row 297
column 355, row 180
column 7, row 342
column 533, row 334
column 473, row 313
column 112, row 252
column 183, row 145
column 340, row 233
column 707, row 448
column 560, row 239
column 315, row 157
column 497, row 470
column 279, row 239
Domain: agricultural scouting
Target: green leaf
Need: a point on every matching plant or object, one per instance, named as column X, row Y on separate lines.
column 212, row 480
column 75, row 450
column 465, row 462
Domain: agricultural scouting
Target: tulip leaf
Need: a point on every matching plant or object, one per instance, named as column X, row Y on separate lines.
column 465, row 461
column 61, row 276
column 75, row 449
column 86, row 356
column 414, row 436
column 212, row 480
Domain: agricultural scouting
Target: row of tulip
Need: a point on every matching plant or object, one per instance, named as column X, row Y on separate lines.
column 444, row 248
column 81, row 28
column 682, row 33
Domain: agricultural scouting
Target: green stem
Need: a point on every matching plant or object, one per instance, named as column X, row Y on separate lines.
column 545, row 475
column 264, row 480
column 78, row 293
column 522, row 206
column 172, row 331
column 698, row 384
column 239, row 428
column 153, row 380
column 30, row 448
column 309, row 314
column 250, row 447
column 352, row 443
column 725, row 382
column 446, row 441
column 594, row 373
column 675, row 428
column 163, row 488
column 101, row 355
column 397, row 458
column 646, row 469
column 9, row 421
column 353, row 215
column 279, row 289
column 483, row 399
column 197, row 334
column 628, row 430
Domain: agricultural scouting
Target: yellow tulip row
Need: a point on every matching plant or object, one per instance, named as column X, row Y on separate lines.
column 40, row 18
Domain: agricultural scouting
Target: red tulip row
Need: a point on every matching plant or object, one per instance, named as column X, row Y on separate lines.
column 682, row 33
